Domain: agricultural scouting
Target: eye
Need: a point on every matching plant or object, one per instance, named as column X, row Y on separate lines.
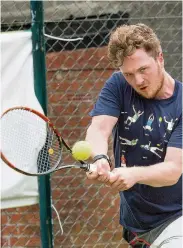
column 128, row 74
column 142, row 69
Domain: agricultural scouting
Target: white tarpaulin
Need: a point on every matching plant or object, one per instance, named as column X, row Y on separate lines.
column 17, row 89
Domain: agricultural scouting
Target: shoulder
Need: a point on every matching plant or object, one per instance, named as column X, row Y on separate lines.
column 178, row 85
column 117, row 81
column 178, row 93
column 117, row 78
column 178, row 82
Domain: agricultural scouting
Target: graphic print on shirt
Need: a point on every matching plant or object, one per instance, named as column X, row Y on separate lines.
column 149, row 126
column 123, row 161
column 160, row 120
column 134, row 118
column 170, row 125
column 149, row 123
column 152, row 149
column 127, row 142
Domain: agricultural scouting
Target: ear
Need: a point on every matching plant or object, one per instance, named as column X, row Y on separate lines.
column 161, row 59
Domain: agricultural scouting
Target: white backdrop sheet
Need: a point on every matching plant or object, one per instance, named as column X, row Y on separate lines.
column 17, row 89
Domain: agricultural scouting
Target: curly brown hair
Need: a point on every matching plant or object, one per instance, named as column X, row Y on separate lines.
column 127, row 38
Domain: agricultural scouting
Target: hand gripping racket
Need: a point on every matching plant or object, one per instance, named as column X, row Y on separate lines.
column 31, row 145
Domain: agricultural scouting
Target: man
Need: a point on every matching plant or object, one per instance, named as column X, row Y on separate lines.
column 147, row 172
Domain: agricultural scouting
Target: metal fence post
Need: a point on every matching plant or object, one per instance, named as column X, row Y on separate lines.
column 40, row 91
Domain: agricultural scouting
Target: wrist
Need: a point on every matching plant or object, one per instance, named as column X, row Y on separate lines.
column 137, row 173
column 102, row 156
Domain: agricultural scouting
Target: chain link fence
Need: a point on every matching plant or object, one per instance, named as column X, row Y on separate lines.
column 20, row 227
column 76, row 71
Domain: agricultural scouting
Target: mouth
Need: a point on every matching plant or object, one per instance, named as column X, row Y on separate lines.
column 143, row 88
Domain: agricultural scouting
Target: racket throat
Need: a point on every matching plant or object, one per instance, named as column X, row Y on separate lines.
column 85, row 167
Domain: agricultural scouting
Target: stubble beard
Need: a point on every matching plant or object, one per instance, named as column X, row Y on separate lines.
column 154, row 92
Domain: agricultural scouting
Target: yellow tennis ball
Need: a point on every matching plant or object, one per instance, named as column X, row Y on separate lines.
column 81, row 150
column 50, row 151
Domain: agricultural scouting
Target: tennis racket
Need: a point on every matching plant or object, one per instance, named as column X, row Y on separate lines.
column 31, row 145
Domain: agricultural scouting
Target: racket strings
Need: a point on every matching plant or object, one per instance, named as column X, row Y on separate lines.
column 50, row 154
column 28, row 142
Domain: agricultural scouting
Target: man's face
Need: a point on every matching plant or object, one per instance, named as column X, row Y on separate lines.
column 144, row 73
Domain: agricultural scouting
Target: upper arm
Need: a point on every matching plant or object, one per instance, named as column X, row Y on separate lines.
column 104, row 124
column 174, row 149
column 107, row 108
column 176, row 136
column 110, row 99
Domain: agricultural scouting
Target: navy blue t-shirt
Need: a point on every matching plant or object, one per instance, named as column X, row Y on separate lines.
column 144, row 130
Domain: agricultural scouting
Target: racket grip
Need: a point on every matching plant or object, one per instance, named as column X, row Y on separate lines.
column 92, row 168
column 89, row 167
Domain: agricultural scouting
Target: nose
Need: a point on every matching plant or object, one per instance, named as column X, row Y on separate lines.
column 139, row 79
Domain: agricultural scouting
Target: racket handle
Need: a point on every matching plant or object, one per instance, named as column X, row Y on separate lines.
column 93, row 168
column 89, row 167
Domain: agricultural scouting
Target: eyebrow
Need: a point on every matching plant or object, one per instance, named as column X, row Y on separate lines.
column 143, row 66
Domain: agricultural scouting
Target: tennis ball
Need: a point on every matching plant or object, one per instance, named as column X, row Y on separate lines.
column 81, row 150
column 50, row 151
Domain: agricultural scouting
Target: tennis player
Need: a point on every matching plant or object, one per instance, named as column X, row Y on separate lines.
column 141, row 105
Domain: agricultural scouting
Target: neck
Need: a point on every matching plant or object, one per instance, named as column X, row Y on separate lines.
column 167, row 88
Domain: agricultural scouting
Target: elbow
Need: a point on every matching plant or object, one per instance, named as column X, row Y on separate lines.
column 175, row 174
column 176, row 179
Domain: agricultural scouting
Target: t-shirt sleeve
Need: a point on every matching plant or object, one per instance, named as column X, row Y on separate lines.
column 109, row 99
column 176, row 136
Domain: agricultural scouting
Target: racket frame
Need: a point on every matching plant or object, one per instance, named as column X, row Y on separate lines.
column 61, row 141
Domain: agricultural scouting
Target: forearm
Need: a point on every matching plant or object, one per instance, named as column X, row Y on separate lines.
column 98, row 141
column 158, row 175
